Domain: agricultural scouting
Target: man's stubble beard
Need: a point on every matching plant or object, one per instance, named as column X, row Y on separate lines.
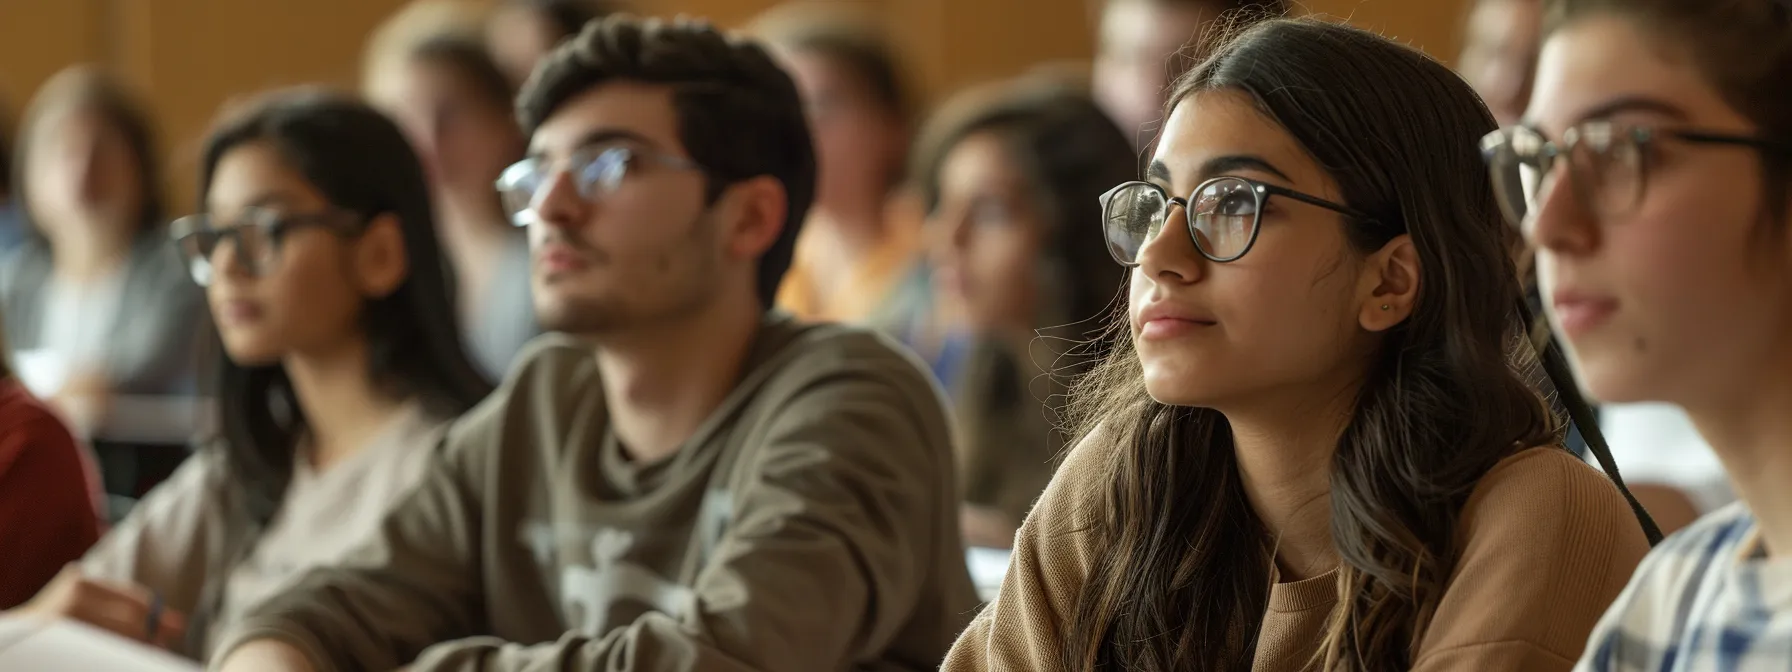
column 678, row 284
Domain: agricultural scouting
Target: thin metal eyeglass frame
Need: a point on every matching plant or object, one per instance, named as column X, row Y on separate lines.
column 548, row 176
column 1260, row 190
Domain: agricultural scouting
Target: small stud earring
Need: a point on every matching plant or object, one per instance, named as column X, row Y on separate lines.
column 1386, row 307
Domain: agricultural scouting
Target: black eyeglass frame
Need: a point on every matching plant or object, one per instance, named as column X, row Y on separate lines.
column 1261, row 190
column 1499, row 142
column 338, row 221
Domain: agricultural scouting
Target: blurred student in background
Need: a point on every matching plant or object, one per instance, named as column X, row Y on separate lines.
column 49, row 493
column 455, row 106
column 521, row 32
column 860, row 241
column 1308, row 444
column 1012, row 178
column 688, row 480
column 98, row 307
column 1499, row 54
column 1654, row 175
column 1144, row 45
column 342, row 367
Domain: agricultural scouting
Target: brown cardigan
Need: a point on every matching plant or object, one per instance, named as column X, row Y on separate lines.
column 1547, row 544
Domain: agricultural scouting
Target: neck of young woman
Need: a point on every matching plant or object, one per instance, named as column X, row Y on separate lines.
column 89, row 251
column 1751, row 432
column 344, row 408
column 662, row 381
column 1284, row 450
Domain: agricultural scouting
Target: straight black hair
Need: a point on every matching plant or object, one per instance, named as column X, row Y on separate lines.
column 361, row 163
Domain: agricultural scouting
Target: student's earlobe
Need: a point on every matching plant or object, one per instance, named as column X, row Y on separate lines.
column 1392, row 285
column 762, row 204
column 381, row 261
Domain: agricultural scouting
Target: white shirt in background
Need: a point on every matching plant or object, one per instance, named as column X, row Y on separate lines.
column 77, row 332
column 1657, row 443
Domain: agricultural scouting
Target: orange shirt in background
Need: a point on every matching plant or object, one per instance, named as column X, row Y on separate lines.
column 867, row 287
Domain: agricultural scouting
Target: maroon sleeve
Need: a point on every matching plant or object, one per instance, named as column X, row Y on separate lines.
column 48, row 514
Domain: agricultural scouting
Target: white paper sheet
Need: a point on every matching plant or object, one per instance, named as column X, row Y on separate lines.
column 34, row 645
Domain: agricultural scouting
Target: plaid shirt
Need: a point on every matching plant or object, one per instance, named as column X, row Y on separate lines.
column 1706, row 599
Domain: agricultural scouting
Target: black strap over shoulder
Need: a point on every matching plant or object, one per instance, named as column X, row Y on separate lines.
column 1581, row 414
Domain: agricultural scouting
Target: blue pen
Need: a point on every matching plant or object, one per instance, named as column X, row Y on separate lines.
column 154, row 623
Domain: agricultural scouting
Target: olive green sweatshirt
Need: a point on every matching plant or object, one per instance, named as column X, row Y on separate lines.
column 810, row 523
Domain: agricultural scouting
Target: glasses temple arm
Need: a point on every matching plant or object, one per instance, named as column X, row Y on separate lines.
column 1764, row 144
column 1315, row 200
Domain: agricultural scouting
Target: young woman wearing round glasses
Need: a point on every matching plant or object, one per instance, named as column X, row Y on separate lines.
column 1654, row 178
column 321, row 263
column 1314, row 446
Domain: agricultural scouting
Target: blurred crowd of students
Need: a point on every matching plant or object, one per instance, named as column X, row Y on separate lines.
column 348, row 415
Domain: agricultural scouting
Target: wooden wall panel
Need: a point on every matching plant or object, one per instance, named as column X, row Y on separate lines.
column 1432, row 25
column 39, row 37
column 954, row 43
column 193, row 55
column 189, row 56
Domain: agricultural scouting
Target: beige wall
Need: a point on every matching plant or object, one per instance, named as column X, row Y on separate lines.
column 190, row 56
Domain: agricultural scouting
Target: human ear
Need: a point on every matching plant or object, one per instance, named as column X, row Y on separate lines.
column 380, row 260
column 753, row 211
column 1389, row 285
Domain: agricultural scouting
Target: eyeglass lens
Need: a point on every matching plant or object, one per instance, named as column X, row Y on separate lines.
column 1605, row 165
column 594, row 174
column 254, row 244
column 1223, row 213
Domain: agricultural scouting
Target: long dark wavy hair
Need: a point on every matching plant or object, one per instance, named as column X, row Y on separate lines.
column 361, row 163
column 1185, row 578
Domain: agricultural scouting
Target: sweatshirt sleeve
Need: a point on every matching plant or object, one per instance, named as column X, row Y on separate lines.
column 821, row 565
column 414, row 582
column 1547, row 543
column 1054, row 552
column 160, row 545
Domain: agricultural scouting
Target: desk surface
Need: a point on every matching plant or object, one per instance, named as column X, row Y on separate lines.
column 30, row 644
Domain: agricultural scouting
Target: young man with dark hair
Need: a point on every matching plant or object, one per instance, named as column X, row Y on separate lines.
column 681, row 479
column 1140, row 51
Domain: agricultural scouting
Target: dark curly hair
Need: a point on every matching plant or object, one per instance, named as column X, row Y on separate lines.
column 739, row 115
